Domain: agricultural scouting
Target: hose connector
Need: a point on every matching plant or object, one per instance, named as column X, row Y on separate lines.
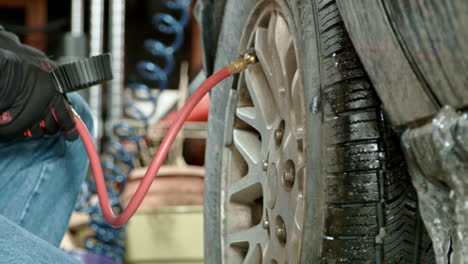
column 242, row 63
column 75, row 114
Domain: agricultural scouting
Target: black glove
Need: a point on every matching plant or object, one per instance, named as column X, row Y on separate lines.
column 30, row 103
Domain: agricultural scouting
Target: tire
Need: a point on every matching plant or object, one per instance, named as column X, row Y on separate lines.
column 358, row 202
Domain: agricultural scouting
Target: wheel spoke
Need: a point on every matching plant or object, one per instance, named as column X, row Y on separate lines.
column 298, row 114
column 253, row 235
column 285, row 48
column 289, row 146
column 278, row 37
column 254, row 255
column 282, row 39
column 299, row 216
column 262, row 98
column 247, row 189
column 248, row 144
column 248, row 114
column 272, row 67
column 262, row 49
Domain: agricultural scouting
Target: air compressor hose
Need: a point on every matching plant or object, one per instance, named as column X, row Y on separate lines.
column 117, row 221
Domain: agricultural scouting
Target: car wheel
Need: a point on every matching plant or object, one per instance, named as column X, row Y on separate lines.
column 302, row 167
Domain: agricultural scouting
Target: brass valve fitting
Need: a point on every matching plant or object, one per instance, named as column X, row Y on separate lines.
column 242, row 63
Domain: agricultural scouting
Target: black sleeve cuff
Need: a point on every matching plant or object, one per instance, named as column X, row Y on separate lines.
column 11, row 75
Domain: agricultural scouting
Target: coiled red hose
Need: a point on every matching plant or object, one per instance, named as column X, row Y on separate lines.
column 156, row 162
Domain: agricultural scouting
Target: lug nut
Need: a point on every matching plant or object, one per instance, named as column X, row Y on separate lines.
column 289, row 174
column 280, row 230
column 265, row 165
column 279, row 133
column 265, row 224
column 281, row 234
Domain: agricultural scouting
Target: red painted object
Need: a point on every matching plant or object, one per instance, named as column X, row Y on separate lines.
column 199, row 114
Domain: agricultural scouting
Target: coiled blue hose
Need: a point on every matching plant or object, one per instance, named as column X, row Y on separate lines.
column 150, row 71
column 108, row 241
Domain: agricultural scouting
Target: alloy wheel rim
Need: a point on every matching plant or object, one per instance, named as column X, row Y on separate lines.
column 263, row 194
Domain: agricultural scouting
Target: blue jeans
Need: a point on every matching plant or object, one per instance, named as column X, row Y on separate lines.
column 39, row 184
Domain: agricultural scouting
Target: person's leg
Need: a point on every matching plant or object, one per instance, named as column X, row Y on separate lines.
column 18, row 246
column 40, row 180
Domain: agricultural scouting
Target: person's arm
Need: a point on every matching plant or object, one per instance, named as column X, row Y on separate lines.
column 8, row 68
column 30, row 104
column 9, row 71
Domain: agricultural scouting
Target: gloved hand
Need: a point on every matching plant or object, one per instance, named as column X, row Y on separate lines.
column 30, row 103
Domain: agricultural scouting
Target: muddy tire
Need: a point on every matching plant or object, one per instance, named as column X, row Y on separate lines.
column 351, row 200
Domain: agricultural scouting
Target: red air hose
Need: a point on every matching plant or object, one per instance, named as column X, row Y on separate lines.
column 158, row 159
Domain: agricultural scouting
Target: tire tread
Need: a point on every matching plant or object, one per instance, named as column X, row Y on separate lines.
column 372, row 214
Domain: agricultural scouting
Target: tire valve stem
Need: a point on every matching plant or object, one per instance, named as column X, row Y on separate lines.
column 242, row 63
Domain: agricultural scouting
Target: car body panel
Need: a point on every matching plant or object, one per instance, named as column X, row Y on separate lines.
column 436, row 35
column 415, row 53
column 398, row 86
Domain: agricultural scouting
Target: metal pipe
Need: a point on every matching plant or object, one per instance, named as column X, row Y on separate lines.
column 117, row 29
column 96, row 48
column 77, row 18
